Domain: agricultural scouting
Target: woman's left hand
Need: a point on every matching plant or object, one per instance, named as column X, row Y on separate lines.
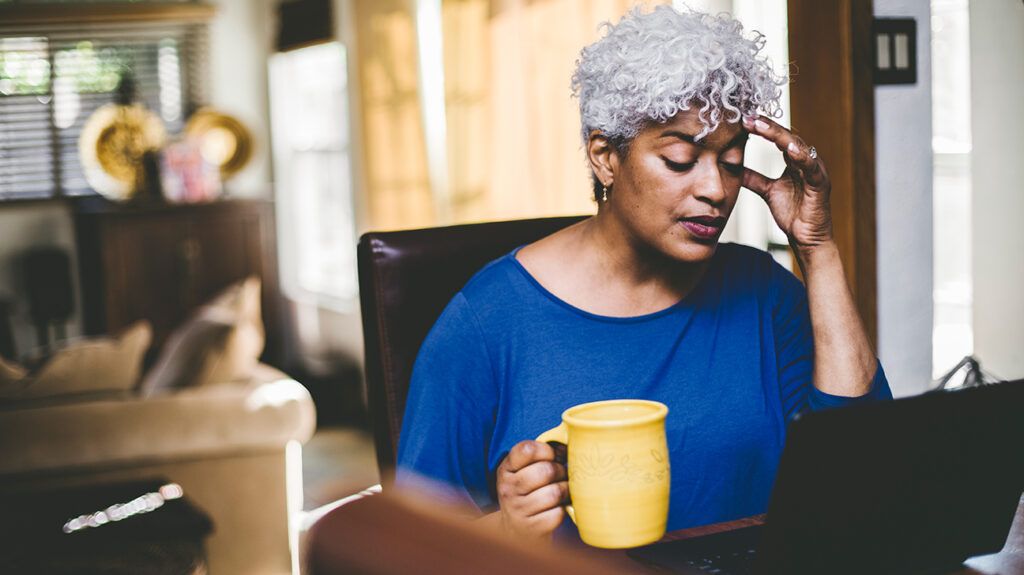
column 799, row 198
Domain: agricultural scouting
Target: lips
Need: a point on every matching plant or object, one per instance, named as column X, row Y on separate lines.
column 704, row 227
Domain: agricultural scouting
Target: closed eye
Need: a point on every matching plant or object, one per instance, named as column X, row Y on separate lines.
column 734, row 169
column 677, row 166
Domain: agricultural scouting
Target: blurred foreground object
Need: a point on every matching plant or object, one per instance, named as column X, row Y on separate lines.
column 399, row 533
column 223, row 140
column 147, row 527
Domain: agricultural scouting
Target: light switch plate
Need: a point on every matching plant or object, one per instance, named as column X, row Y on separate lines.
column 895, row 50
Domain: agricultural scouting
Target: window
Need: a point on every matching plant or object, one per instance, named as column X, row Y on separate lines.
column 952, row 336
column 53, row 77
column 310, row 127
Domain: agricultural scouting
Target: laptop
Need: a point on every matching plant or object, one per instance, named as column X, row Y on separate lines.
column 915, row 485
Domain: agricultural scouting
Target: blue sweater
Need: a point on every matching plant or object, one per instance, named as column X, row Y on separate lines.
column 733, row 362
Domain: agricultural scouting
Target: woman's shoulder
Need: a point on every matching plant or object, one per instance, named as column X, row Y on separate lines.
column 495, row 283
column 472, row 309
column 516, row 275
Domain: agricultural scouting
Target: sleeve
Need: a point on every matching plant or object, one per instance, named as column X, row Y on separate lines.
column 794, row 351
column 450, row 410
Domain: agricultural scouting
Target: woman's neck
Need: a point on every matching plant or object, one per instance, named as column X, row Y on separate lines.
column 626, row 260
column 597, row 267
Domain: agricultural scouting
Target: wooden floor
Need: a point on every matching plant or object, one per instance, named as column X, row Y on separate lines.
column 338, row 461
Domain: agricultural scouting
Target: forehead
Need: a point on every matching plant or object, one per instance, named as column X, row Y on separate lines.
column 688, row 122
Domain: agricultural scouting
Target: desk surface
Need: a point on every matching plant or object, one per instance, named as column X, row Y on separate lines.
column 385, row 535
column 1009, row 561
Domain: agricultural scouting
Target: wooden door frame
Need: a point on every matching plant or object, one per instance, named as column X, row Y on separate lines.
column 832, row 102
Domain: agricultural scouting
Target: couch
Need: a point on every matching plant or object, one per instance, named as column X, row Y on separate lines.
column 234, row 448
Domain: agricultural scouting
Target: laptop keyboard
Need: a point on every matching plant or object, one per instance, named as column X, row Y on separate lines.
column 728, row 553
column 736, row 563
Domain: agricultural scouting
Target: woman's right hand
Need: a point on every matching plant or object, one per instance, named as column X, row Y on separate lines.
column 532, row 488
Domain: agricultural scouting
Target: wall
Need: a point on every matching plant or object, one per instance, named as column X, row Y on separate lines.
column 997, row 69
column 241, row 39
column 903, row 133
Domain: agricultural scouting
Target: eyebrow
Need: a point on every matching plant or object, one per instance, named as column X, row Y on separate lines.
column 740, row 136
column 688, row 138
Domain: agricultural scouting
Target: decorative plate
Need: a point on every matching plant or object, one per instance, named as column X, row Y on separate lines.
column 112, row 145
column 223, row 140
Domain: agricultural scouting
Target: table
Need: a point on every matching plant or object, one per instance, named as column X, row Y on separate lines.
column 1009, row 561
column 392, row 534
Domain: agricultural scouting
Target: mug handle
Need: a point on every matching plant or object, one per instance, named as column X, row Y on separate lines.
column 559, row 434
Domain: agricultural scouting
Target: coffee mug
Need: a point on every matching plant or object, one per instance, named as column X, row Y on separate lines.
column 618, row 470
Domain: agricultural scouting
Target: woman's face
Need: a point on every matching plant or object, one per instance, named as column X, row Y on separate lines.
column 674, row 194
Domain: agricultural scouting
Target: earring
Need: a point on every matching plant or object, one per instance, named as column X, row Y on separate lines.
column 604, row 193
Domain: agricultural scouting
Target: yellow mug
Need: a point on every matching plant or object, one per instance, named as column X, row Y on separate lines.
column 618, row 470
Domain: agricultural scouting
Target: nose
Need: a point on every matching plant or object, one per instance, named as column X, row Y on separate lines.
column 711, row 188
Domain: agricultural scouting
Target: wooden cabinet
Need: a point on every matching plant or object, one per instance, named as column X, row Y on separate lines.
column 159, row 262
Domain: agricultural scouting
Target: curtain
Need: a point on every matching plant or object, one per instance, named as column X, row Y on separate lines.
column 514, row 148
column 393, row 162
column 512, row 143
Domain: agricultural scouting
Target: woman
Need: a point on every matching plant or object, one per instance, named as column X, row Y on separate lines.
column 641, row 300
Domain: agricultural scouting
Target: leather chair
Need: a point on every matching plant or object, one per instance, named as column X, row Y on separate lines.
column 406, row 278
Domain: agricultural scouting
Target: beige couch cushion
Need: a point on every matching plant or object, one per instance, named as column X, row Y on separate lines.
column 220, row 343
column 263, row 413
column 91, row 365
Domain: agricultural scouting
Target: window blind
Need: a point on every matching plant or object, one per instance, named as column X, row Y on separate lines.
column 53, row 77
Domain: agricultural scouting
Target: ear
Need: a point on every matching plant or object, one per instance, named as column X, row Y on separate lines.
column 604, row 160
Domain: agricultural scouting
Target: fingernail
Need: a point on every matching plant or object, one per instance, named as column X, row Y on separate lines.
column 748, row 121
column 793, row 148
column 761, row 125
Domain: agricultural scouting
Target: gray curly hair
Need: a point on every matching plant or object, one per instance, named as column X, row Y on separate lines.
column 650, row 66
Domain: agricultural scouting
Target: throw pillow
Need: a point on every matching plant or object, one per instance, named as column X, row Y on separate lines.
column 239, row 305
column 10, row 373
column 220, row 343
column 91, row 365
